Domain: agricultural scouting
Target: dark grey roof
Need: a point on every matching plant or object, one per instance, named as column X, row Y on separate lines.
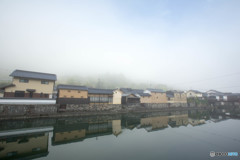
column 132, row 91
column 146, row 95
column 73, row 87
column 196, row 91
column 174, row 91
column 212, row 90
column 33, row 75
column 100, row 91
column 6, row 86
column 156, row 90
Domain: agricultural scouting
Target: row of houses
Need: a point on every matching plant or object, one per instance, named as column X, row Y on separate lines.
column 214, row 96
column 71, row 94
column 36, row 85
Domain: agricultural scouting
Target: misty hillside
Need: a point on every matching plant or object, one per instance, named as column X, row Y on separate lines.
column 108, row 81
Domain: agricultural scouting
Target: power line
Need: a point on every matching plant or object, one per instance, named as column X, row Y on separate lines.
column 226, row 75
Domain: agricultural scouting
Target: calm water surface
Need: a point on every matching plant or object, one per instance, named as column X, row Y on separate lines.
column 159, row 135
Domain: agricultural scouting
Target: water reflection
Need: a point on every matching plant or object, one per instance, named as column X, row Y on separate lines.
column 24, row 143
column 32, row 142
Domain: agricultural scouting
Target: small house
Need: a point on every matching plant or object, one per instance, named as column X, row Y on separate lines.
column 72, row 94
column 28, row 84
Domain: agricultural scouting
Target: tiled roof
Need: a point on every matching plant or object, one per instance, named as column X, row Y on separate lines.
column 73, row 87
column 196, row 91
column 100, row 91
column 7, row 85
column 33, row 75
column 156, row 90
column 132, row 91
column 146, row 95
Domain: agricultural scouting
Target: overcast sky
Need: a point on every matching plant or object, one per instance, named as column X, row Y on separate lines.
column 184, row 44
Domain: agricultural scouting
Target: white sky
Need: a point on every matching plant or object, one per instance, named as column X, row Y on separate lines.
column 184, row 44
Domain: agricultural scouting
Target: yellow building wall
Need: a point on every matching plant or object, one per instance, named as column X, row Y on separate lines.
column 116, row 127
column 71, row 135
column 64, row 93
column 180, row 98
column 155, row 122
column 32, row 84
column 180, row 119
column 154, row 98
column 117, row 97
column 22, row 148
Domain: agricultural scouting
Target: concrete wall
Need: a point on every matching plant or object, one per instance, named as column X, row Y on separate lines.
column 26, row 110
column 92, row 108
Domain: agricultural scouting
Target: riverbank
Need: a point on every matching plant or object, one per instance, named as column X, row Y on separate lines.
column 30, row 112
column 8, row 112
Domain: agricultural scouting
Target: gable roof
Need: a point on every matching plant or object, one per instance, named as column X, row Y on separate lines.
column 155, row 90
column 133, row 91
column 100, row 91
column 73, row 87
column 33, row 75
column 196, row 91
column 213, row 91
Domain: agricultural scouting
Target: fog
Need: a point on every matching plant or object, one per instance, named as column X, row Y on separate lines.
column 181, row 44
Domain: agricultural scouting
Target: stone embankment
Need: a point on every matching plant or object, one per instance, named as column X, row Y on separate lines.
column 54, row 110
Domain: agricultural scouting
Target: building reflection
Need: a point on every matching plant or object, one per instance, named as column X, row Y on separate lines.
column 33, row 142
column 154, row 123
column 25, row 143
column 162, row 122
column 80, row 131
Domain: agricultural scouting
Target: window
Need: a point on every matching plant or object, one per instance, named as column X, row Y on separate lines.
column 44, row 82
column 46, row 95
column 19, row 94
column 23, row 80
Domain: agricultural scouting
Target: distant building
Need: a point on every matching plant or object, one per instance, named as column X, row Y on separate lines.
column 28, row 84
column 71, row 94
column 213, row 95
column 194, row 93
column 100, row 96
column 176, row 96
column 231, row 97
column 154, row 96
column 127, row 96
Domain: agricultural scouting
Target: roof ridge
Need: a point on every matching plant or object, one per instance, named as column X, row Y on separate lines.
column 33, row 72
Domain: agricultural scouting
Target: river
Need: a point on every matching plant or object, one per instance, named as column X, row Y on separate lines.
column 190, row 134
